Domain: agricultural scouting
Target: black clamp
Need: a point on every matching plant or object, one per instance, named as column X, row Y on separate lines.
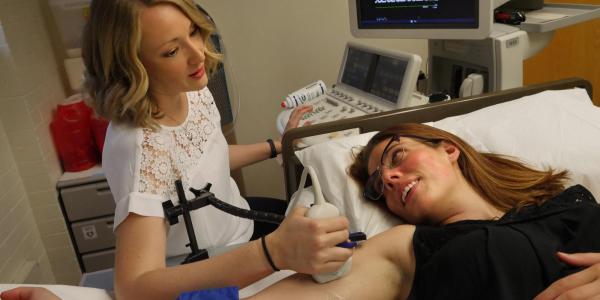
column 173, row 212
column 204, row 197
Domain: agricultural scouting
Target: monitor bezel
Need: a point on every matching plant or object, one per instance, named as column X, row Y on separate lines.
column 485, row 14
column 409, row 81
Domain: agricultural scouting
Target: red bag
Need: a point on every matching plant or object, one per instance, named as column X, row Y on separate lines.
column 72, row 135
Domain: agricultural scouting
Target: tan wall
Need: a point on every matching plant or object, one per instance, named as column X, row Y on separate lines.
column 274, row 47
column 21, row 247
column 30, row 88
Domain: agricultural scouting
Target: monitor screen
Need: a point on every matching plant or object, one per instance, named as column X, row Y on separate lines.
column 411, row 14
column 375, row 74
column 359, row 64
column 438, row 19
column 388, row 77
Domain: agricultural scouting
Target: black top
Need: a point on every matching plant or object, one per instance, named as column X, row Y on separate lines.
column 511, row 258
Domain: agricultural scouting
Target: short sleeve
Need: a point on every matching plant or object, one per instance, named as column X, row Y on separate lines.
column 121, row 160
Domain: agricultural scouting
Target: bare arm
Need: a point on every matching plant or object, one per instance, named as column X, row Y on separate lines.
column 382, row 268
column 141, row 273
column 244, row 155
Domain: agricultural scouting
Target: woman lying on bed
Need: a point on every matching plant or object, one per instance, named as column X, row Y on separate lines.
column 485, row 226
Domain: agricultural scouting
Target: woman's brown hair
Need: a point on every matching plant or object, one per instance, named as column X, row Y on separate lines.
column 504, row 181
column 115, row 78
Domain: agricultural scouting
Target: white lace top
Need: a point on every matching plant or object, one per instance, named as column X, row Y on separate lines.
column 141, row 166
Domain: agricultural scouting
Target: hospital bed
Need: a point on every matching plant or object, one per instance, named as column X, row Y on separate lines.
column 420, row 114
column 553, row 124
column 562, row 110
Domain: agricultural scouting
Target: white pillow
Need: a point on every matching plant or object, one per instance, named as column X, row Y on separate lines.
column 553, row 128
column 330, row 161
column 558, row 129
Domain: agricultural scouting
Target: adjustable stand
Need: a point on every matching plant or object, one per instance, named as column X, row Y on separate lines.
column 203, row 198
column 172, row 213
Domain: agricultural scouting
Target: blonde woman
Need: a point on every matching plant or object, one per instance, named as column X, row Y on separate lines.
column 148, row 64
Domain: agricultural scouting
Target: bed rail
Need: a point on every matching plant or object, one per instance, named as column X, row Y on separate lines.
column 423, row 113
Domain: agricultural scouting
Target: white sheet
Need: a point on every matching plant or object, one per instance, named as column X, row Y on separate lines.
column 66, row 292
column 71, row 292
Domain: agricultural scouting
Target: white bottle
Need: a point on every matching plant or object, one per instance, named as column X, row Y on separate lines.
column 304, row 94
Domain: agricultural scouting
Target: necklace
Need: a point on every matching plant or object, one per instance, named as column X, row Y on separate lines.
column 177, row 122
column 187, row 133
column 183, row 102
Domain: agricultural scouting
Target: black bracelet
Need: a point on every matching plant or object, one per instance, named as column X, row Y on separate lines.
column 264, row 246
column 273, row 149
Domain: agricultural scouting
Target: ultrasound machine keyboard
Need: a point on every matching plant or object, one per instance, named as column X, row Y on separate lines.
column 330, row 108
column 336, row 105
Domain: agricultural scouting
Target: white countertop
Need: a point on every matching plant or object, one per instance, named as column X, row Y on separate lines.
column 92, row 174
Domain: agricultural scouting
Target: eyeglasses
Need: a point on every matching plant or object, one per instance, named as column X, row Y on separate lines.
column 373, row 189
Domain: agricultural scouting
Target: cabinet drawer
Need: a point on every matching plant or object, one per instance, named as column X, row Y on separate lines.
column 94, row 234
column 88, row 201
column 98, row 261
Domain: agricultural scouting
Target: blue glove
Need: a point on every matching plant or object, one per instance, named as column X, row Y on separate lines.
column 227, row 293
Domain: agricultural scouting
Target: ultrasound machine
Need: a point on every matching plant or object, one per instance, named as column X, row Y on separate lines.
column 472, row 43
column 370, row 80
column 471, row 51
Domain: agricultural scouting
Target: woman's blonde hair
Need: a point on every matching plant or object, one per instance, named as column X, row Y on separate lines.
column 115, row 78
column 505, row 182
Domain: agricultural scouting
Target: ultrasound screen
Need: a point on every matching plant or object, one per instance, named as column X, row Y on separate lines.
column 417, row 14
column 359, row 65
column 378, row 75
column 388, row 77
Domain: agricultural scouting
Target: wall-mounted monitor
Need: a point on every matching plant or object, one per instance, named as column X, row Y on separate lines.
column 421, row 19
